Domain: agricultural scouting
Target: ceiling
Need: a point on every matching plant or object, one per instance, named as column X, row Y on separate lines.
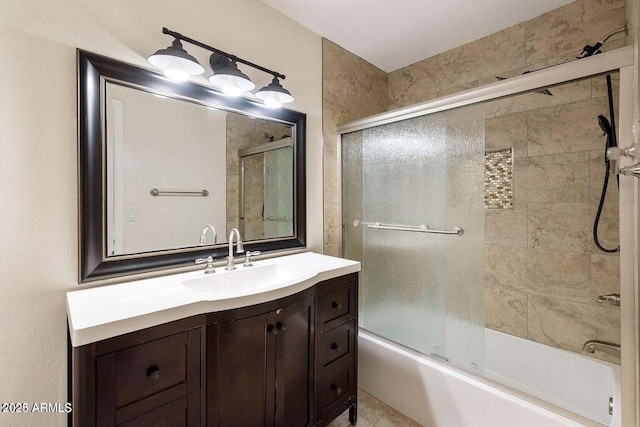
column 394, row 34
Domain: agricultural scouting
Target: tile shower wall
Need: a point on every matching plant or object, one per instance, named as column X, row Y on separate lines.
column 244, row 132
column 551, row 38
column 543, row 273
column 351, row 88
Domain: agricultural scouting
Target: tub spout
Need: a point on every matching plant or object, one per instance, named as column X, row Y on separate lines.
column 605, row 347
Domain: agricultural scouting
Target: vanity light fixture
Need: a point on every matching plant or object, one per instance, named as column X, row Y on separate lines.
column 274, row 95
column 177, row 64
column 227, row 77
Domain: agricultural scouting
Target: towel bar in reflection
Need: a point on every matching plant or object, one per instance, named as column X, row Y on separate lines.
column 155, row 192
column 416, row 229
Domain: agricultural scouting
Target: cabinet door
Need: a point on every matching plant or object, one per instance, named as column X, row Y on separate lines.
column 240, row 363
column 294, row 363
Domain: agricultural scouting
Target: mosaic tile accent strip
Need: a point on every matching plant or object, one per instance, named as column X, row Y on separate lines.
column 498, row 179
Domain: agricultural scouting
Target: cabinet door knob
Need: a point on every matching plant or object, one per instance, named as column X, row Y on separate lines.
column 272, row 329
column 336, row 305
column 336, row 347
column 336, row 388
column 281, row 326
column 154, row 373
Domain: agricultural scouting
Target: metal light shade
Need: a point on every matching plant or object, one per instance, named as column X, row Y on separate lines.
column 175, row 62
column 274, row 95
column 232, row 81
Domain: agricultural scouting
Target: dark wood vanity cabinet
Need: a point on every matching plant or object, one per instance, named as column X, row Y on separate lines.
column 284, row 363
column 336, row 349
column 260, row 369
column 149, row 378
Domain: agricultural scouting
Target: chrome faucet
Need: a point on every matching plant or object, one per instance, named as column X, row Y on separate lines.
column 614, row 299
column 230, row 264
column 605, row 347
column 203, row 236
column 209, row 261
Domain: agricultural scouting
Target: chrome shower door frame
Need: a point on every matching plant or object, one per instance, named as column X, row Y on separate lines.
column 621, row 60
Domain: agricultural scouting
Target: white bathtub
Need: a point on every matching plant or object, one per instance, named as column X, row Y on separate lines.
column 437, row 395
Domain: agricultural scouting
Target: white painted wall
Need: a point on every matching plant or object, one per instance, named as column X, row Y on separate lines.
column 38, row 151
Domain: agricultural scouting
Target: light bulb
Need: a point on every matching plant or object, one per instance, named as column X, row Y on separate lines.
column 272, row 103
column 233, row 91
column 176, row 74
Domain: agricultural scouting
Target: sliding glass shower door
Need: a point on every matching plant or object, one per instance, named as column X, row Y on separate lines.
column 408, row 189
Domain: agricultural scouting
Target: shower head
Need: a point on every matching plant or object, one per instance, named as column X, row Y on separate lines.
column 607, row 130
column 604, row 125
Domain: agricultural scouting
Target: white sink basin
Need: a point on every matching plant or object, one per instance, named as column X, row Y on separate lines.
column 246, row 281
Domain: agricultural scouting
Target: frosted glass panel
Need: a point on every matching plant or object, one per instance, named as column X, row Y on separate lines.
column 426, row 171
column 278, row 192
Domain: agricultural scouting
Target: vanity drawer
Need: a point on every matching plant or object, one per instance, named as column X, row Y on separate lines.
column 146, row 369
column 336, row 305
column 136, row 380
column 184, row 412
column 336, row 344
column 335, row 389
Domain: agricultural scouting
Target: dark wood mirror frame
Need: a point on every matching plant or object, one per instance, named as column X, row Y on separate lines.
column 93, row 71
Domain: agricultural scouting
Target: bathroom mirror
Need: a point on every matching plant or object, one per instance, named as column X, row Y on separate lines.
column 160, row 161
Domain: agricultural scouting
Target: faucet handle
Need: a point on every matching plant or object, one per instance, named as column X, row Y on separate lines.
column 614, row 299
column 209, row 261
column 248, row 255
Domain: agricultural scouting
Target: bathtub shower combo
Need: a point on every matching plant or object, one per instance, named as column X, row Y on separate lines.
column 473, row 217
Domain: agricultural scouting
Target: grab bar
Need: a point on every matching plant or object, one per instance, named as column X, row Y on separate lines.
column 605, row 347
column 419, row 229
column 155, row 192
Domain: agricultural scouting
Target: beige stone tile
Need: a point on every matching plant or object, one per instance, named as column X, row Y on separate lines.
column 608, row 226
column 332, row 224
column 507, row 131
column 556, row 178
column 458, row 88
column 566, row 128
column 412, row 84
column 605, row 277
column 500, row 51
column 568, row 325
column 370, row 408
column 596, row 178
column 331, row 168
column 568, row 28
column 343, row 421
column 352, row 87
column 332, row 250
column 557, row 274
column 504, row 266
column 561, row 226
column 599, row 86
column 561, row 94
column 505, row 310
column 506, row 227
column 396, row 419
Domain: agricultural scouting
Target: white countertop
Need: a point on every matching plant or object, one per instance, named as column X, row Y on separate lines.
column 104, row 312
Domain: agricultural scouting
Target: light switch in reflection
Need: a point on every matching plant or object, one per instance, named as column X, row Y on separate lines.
column 132, row 214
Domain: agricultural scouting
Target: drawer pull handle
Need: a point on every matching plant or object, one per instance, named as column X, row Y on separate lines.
column 336, row 347
column 154, row 373
column 281, row 326
column 336, row 305
column 336, row 388
column 272, row 330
